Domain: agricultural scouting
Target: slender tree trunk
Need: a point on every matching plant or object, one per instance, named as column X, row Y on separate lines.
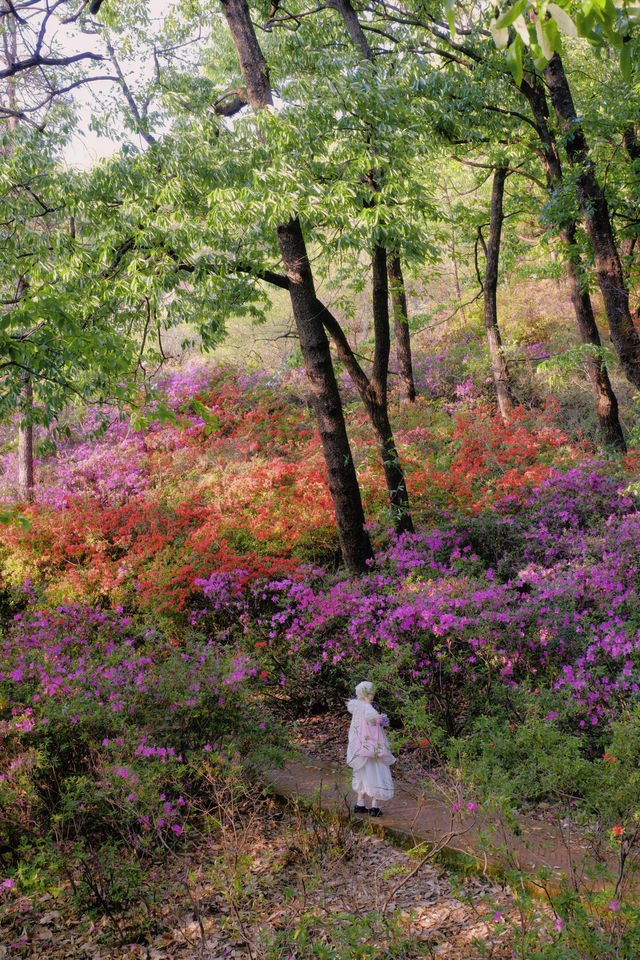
column 498, row 362
column 606, row 402
column 453, row 250
column 374, row 391
column 376, row 399
column 25, row 433
column 632, row 146
column 343, row 481
column 595, row 211
column 25, row 444
column 354, row 27
column 401, row 329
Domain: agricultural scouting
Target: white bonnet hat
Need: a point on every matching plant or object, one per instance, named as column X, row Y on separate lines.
column 364, row 689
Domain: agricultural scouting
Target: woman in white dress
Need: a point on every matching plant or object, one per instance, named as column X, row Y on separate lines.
column 368, row 752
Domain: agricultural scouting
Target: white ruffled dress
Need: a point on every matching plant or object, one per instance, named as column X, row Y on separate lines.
column 368, row 752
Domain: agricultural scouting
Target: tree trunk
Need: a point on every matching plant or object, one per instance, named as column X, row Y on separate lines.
column 606, row 402
column 401, row 329
column 343, row 481
column 376, row 399
column 374, row 391
column 632, row 146
column 595, row 211
column 354, row 28
column 631, row 143
column 498, row 363
column 25, row 444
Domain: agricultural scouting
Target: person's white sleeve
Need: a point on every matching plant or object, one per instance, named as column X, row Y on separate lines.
column 371, row 715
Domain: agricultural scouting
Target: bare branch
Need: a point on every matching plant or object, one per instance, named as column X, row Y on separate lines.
column 133, row 106
column 37, row 60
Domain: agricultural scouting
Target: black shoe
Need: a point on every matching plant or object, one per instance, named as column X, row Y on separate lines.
column 360, row 809
column 375, row 812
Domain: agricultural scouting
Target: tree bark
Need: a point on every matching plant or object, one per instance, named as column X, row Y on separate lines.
column 376, row 398
column 25, row 444
column 343, row 481
column 595, row 211
column 354, row 27
column 631, row 142
column 498, row 362
column 374, row 390
column 401, row 329
column 632, row 146
column 606, row 402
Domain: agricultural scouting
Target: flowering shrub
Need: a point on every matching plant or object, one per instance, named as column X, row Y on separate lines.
column 472, row 615
column 238, row 481
column 135, row 518
column 102, row 722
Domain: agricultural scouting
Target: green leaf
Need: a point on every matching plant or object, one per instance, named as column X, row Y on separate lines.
column 563, row 20
column 585, row 21
column 522, row 30
column 511, row 15
column 500, row 35
column 450, row 10
column 545, row 39
column 514, row 59
column 626, row 62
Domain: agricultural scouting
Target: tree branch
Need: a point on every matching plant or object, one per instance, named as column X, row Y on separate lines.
column 37, row 60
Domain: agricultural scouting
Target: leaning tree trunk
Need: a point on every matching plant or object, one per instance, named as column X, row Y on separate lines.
column 401, row 329
column 498, row 363
column 343, row 481
column 25, row 443
column 595, row 211
column 606, row 402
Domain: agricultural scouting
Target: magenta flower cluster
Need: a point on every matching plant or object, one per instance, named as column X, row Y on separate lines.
column 545, row 593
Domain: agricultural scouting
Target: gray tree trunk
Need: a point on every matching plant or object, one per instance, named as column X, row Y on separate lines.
column 25, row 444
column 401, row 329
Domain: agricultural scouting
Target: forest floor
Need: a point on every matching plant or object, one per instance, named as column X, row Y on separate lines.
column 304, row 876
column 279, row 872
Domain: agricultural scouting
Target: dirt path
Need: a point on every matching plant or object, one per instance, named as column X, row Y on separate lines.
column 415, row 816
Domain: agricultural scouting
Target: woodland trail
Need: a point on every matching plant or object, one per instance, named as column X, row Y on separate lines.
column 535, row 846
